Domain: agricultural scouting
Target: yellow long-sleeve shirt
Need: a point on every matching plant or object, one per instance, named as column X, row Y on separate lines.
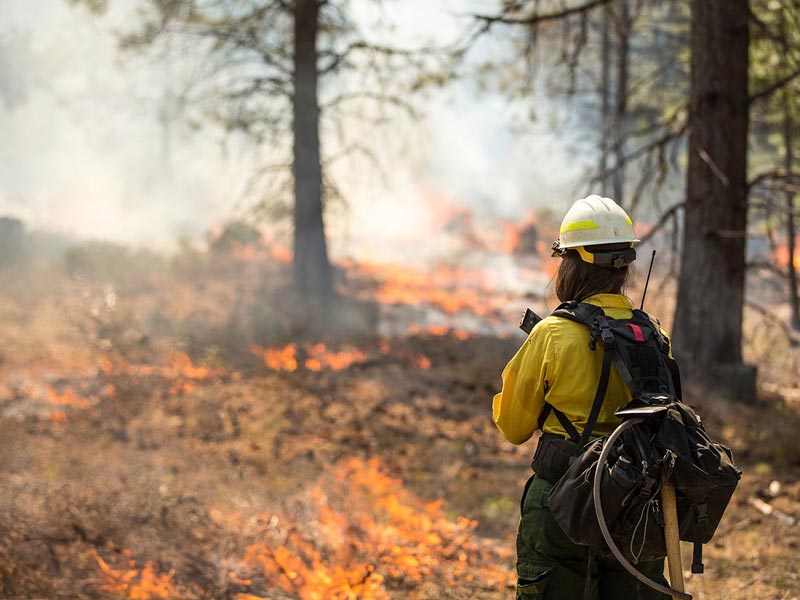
column 556, row 365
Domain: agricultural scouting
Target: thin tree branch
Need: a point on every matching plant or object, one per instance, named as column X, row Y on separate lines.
column 662, row 220
column 654, row 145
column 773, row 175
column 774, row 87
column 537, row 19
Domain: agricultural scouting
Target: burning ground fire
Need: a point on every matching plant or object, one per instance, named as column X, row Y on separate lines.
column 368, row 537
column 135, row 583
column 364, row 537
column 449, row 289
column 53, row 396
column 506, row 262
column 318, row 357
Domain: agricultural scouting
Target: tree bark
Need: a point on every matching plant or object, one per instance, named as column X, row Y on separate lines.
column 312, row 269
column 788, row 164
column 791, row 234
column 708, row 316
column 605, row 86
column 623, row 19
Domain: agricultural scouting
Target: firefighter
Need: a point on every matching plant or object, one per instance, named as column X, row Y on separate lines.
column 550, row 384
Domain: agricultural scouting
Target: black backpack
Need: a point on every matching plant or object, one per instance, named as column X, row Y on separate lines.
column 671, row 437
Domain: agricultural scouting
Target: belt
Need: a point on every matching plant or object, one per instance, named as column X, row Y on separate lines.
column 553, row 456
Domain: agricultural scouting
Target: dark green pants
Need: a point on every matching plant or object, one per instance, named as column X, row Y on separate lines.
column 551, row 567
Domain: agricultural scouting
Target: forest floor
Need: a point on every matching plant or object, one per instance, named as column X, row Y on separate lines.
column 145, row 458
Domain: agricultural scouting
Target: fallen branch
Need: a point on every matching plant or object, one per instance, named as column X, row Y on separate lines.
column 791, row 336
column 770, row 511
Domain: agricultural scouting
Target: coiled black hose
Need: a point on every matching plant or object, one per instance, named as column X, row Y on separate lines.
column 598, row 508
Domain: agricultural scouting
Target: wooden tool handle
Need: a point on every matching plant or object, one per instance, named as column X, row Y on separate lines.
column 672, row 534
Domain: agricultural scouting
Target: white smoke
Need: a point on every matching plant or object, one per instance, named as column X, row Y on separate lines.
column 86, row 151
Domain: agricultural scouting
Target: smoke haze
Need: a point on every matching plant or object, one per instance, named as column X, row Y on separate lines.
column 93, row 149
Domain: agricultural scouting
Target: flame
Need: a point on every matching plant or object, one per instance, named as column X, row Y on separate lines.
column 369, row 532
column 524, row 237
column 59, row 416
column 136, row 584
column 512, row 238
column 439, row 331
column 422, row 362
column 281, row 254
column 277, row 359
column 180, row 365
column 86, row 389
column 247, row 252
column 451, row 289
column 318, row 358
column 67, row 398
column 178, row 368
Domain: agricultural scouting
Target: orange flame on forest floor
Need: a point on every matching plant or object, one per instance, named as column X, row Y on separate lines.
column 54, row 395
column 135, row 583
column 451, row 289
column 439, row 331
column 67, row 398
column 261, row 250
column 179, row 368
column 51, row 401
column 318, row 357
column 370, row 536
column 315, row 358
column 282, row 254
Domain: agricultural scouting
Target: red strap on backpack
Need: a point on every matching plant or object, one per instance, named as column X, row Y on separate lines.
column 637, row 332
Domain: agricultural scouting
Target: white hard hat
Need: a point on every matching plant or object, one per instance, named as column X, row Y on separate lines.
column 593, row 221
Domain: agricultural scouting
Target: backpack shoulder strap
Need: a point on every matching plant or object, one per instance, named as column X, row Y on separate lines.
column 594, row 318
column 580, row 312
column 569, row 428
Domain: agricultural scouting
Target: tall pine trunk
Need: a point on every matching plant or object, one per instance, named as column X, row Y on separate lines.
column 312, row 269
column 605, row 92
column 708, row 316
column 791, row 235
column 623, row 30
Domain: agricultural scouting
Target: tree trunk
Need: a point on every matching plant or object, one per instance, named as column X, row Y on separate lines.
column 788, row 163
column 708, row 316
column 312, row 269
column 623, row 19
column 791, row 235
column 605, row 87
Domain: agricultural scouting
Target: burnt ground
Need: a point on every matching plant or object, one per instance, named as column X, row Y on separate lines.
column 147, row 453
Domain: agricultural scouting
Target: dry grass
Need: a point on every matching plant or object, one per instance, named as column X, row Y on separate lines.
column 217, row 478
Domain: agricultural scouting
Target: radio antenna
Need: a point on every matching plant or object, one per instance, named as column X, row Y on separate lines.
column 647, row 281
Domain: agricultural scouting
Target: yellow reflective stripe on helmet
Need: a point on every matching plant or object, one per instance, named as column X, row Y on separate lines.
column 628, row 220
column 586, row 256
column 579, row 225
